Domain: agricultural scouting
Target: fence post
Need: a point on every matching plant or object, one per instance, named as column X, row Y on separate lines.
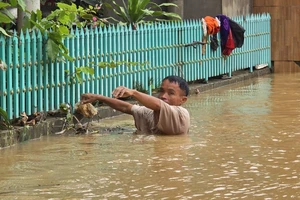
column 3, row 92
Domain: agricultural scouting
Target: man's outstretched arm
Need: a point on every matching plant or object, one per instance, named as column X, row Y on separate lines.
column 117, row 104
column 146, row 100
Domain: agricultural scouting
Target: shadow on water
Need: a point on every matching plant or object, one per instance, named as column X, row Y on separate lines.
column 243, row 143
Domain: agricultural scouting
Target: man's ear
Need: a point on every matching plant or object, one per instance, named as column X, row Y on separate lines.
column 183, row 99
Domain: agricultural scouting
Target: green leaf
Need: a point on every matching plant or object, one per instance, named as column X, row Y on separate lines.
column 52, row 49
column 39, row 15
column 21, row 3
column 63, row 18
column 86, row 70
column 167, row 4
column 72, row 17
column 9, row 14
column 4, row 115
column 46, row 24
column 87, row 16
column 64, row 30
column 13, row 3
column 65, row 55
column 118, row 11
column 112, row 64
column 4, row 18
column 152, row 12
column 39, row 26
column 78, row 77
column 172, row 15
column 4, row 5
column 33, row 16
column 70, row 8
column 55, row 36
column 102, row 64
column 52, row 15
column 4, row 32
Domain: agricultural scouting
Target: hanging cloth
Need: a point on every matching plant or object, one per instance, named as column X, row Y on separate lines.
column 214, row 42
column 224, row 30
column 237, row 33
column 213, row 26
column 229, row 46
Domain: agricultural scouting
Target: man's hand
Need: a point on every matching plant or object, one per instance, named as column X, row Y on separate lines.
column 122, row 92
column 89, row 98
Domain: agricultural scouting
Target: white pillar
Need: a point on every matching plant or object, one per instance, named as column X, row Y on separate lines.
column 32, row 5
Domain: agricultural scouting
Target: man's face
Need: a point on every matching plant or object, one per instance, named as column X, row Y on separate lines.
column 171, row 93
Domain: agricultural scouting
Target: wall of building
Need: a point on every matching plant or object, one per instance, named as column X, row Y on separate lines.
column 236, row 7
column 285, row 29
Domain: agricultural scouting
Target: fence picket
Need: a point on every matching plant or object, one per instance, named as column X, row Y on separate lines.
column 15, row 66
column 34, row 87
column 9, row 77
column 22, row 73
column 3, row 87
column 40, row 69
column 71, row 64
column 46, row 72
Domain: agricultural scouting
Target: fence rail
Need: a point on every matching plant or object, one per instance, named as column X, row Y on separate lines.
column 33, row 83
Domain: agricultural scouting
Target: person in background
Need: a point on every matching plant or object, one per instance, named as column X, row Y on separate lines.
column 162, row 115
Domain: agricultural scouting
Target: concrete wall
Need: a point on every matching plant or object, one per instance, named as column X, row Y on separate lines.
column 196, row 9
column 236, row 7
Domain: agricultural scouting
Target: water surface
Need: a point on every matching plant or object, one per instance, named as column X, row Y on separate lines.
column 243, row 144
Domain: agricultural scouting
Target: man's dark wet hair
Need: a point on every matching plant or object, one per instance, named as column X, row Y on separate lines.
column 181, row 82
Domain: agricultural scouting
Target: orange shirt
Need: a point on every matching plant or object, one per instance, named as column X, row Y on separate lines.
column 212, row 24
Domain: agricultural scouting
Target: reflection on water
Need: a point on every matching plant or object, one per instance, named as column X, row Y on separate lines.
column 243, row 144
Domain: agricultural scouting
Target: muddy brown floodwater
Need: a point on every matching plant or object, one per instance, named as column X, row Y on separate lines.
column 244, row 143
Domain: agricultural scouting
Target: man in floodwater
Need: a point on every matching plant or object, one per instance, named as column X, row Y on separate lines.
column 163, row 115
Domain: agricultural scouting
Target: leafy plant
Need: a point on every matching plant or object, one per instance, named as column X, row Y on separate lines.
column 136, row 11
column 86, row 4
column 77, row 75
column 5, row 120
column 58, row 24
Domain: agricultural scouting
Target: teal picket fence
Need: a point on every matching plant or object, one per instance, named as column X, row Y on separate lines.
column 32, row 83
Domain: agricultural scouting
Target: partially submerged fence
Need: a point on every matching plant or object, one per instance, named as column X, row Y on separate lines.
column 33, row 83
